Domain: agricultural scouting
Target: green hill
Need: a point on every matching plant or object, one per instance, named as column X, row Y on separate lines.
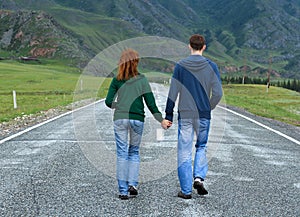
column 238, row 32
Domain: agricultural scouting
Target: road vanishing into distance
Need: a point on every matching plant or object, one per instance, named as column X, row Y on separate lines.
column 66, row 167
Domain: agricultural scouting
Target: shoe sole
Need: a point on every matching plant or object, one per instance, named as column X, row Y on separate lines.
column 184, row 196
column 134, row 194
column 122, row 197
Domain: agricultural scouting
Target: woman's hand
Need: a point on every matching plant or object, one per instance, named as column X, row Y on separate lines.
column 166, row 124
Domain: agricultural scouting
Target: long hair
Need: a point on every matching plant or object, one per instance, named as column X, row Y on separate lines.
column 128, row 64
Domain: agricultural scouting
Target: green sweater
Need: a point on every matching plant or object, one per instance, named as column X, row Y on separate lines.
column 126, row 97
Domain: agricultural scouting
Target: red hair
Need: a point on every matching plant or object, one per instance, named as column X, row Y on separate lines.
column 128, row 64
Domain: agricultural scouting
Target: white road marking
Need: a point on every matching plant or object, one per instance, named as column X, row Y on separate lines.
column 45, row 122
column 67, row 113
column 262, row 125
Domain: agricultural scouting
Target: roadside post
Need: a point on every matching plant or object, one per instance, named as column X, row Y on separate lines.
column 15, row 99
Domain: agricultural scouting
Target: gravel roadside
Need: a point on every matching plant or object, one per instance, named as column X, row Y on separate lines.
column 24, row 121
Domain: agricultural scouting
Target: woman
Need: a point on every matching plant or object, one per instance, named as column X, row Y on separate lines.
column 126, row 93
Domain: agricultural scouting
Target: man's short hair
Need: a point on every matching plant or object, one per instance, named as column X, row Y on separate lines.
column 197, row 41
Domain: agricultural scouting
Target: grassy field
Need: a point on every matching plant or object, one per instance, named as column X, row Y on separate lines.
column 278, row 103
column 49, row 85
column 38, row 87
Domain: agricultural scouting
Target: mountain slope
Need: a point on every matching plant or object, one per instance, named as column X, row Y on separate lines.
column 37, row 34
column 148, row 17
column 238, row 32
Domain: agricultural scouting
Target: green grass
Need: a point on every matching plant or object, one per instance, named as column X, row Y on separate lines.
column 48, row 85
column 43, row 86
column 278, row 103
column 52, row 84
column 38, row 87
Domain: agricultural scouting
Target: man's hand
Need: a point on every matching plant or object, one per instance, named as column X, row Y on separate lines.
column 166, row 124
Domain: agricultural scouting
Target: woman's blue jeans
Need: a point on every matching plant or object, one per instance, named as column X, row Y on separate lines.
column 186, row 130
column 128, row 135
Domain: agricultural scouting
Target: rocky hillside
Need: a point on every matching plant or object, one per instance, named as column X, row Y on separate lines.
column 37, row 34
column 238, row 32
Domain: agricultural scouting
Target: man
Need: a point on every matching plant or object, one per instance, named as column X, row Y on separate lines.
column 197, row 81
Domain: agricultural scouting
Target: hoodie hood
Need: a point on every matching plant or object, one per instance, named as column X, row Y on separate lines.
column 194, row 63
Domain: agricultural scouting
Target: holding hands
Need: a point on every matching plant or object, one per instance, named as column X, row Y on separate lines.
column 166, row 124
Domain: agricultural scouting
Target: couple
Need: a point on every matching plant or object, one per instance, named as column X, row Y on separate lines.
column 197, row 81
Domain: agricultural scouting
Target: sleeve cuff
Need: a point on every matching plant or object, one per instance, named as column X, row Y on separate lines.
column 169, row 117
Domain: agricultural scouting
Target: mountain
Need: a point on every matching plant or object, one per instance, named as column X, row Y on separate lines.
column 36, row 34
column 259, row 34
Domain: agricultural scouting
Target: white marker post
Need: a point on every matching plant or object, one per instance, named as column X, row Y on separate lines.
column 15, row 99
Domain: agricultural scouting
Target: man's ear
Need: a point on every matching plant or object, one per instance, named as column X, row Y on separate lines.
column 204, row 47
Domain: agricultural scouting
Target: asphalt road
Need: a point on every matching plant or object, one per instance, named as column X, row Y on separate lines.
column 67, row 168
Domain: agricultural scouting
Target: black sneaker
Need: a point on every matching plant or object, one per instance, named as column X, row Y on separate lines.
column 184, row 196
column 200, row 188
column 123, row 197
column 132, row 191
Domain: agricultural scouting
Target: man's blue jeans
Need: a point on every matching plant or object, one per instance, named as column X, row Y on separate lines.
column 128, row 158
column 186, row 130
